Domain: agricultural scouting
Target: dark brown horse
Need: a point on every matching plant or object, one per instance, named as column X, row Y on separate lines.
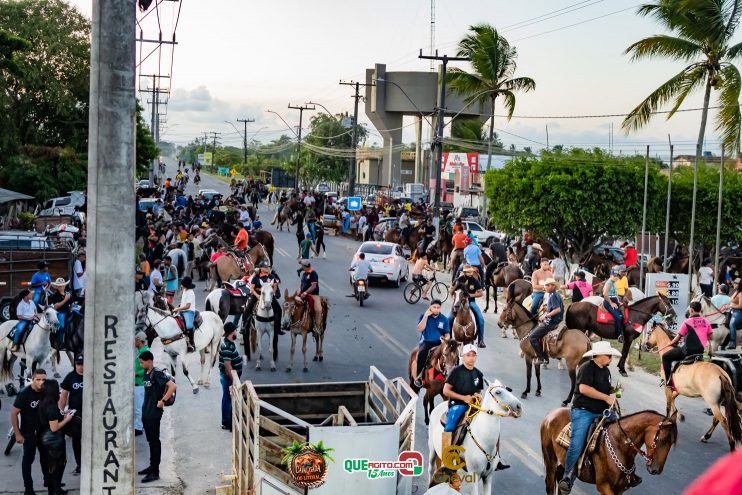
column 395, row 235
column 571, row 346
column 517, row 291
column 464, row 327
column 583, row 315
column 599, row 266
column 441, row 360
column 266, row 239
column 499, row 275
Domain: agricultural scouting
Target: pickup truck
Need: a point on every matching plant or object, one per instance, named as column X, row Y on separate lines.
column 20, row 253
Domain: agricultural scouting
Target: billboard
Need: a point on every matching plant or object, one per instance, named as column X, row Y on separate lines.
column 452, row 162
column 675, row 286
column 207, row 158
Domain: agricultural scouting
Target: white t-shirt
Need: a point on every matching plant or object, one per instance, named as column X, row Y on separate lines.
column 362, row 269
column 559, row 267
column 78, row 282
column 706, row 275
column 188, row 296
column 155, row 275
column 309, row 200
column 26, row 309
column 244, row 216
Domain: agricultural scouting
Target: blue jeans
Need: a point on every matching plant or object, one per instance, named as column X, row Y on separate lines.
column 477, row 315
column 62, row 318
column 188, row 316
column 346, row 225
column 312, row 231
column 581, row 421
column 20, row 329
column 226, row 401
column 455, row 413
column 617, row 316
column 536, row 299
column 734, row 324
column 37, row 295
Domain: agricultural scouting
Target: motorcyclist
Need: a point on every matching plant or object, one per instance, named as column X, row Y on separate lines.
column 360, row 268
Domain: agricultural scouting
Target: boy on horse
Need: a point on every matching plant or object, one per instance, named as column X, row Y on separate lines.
column 433, row 327
column 464, row 382
column 547, row 321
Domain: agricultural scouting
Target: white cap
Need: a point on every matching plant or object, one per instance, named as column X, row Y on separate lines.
column 469, row 348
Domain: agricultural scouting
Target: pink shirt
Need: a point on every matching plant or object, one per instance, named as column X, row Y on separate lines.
column 583, row 285
column 216, row 256
column 700, row 325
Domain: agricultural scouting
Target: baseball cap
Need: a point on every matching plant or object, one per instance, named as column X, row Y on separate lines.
column 469, row 348
column 141, row 336
column 79, row 359
column 305, row 263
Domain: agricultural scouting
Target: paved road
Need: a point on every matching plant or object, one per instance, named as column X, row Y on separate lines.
column 382, row 334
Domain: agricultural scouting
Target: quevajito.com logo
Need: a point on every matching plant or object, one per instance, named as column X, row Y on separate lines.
column 408, row 463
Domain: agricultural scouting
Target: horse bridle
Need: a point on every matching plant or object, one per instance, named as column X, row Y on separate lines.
column 648, row 456
column 474, row 409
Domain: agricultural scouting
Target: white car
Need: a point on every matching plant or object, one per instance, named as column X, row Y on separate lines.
column 208, row 194
column 483, row 236
column 387, row 261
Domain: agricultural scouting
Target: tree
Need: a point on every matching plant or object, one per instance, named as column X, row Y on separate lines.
column 47, row 97
column 494, row 63
column 320, row 161
column 704, row 29
column 10, row 47
column 146, row 150
column 574, row 197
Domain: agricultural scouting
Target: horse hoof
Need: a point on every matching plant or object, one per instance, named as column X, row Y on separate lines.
column 200, row 382
column 704, row 439
column 258, row 368
column 305, row 370
column 504, row 336
column 538, row 393
column 524, row 395
column 273, row 368
column 623, row 373
column 315, row 358
column 321, row 358
column 195, row 391
column 288, row 370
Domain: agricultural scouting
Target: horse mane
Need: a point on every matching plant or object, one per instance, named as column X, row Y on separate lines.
column 673, row 426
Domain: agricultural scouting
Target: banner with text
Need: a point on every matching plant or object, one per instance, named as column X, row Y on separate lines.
column 454, row 161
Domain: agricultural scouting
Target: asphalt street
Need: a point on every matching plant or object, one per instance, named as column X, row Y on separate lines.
column 382, row 333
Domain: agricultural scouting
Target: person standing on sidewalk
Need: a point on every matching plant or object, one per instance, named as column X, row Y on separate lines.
column 159, row 387
column 140, row 343
column 229, row 360
column 52, row 423
column 27, row 433
column 78, row 277
column 71, row 398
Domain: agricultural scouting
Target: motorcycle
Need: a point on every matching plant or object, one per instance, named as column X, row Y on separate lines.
column 361, row 290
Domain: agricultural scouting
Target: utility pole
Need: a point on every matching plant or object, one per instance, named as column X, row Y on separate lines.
column 154, row 125
column 301, row 109
column 353, row 162
column 439, row 137
column 213, row 150
column 107, row 447
column 245, row 121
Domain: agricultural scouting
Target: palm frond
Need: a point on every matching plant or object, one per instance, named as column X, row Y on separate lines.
column 524, row 84
column 710, row 18
column 508, row 102
column 466, row 84
column 734, row 51
column 672, row 88
column 664, row 46
column 729, row 119
column 694, row 80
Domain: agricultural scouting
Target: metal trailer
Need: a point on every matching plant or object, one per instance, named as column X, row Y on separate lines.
column 373, row 419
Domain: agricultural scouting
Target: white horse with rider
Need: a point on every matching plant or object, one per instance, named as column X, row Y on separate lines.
column 37, row 347
column 263, row 321
column 207, row 336
column 481, row 445
column 718, row 319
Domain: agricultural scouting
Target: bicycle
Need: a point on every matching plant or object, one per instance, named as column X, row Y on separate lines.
column 414, row 290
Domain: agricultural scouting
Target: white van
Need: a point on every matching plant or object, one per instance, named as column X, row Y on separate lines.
column 64, row 205
column 414, row 191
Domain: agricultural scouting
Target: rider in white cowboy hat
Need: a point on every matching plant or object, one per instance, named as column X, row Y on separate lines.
column 61, row 299
column 593, row 395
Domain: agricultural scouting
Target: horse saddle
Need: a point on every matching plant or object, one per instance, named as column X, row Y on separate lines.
column 605, row 317
column 241, row 260
column 431, row 374
column 692, row 359
column 197, row 320
column 551, row 338
column 238, row 289
column 460, row 432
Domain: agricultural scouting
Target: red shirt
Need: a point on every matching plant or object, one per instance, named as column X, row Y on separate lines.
column 631, row 256
column 460, row 240
column 723, row 478
column 240, row 242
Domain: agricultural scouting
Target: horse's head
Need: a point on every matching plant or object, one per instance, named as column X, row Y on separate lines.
column 664, row 307
column 292, row 310
column 460, row 301
column 658, row 439
column 266, row 298
column 654, row 335
column 143, row 299
column 500, row 399
column 449, row 356
column 507, row 316
column 51, row 318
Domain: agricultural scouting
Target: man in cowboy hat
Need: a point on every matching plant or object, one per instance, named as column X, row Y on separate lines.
column 549, row 320
column 61, row 300
column 263, row 278
column 533, row 258
column 187, row 309
column 593, row 395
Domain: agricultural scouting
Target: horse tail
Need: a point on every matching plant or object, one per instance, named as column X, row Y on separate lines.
column 6, row 373
column 729, row 401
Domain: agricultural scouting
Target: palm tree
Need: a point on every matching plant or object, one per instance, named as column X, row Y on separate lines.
column 493, row 60
column 704, row 30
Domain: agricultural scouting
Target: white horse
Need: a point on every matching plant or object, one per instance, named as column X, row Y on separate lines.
column 37, row 348
column 482, row 443
column 263, row 321
column 717, row 319
column 164, row 324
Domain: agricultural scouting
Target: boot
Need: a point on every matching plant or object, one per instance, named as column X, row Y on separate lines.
column 191, row 344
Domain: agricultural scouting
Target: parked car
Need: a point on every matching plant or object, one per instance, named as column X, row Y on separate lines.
column 64, row 205
column 208, row 194
column 143, row 184
column 387, row 261
column 615, row 252
column 482, row 235
column 466, row 213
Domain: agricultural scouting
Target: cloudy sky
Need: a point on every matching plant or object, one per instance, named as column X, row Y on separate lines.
column 238, row 58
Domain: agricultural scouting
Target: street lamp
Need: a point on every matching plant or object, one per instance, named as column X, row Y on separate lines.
column 285, row 123
column 324, row 107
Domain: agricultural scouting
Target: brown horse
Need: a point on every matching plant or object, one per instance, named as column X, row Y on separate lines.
column 281, row 218
column 228, row 268
column 441, row 360
column 583, row 315
column 701, row 379
column 571, row 346
column 297, row 318
column 464, row 327
column 599, row 266
column 395, row 235
column 266, row 239
column 499, row 275
column 618, row 445
column 517, row 291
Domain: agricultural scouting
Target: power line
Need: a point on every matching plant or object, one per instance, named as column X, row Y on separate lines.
column 577, row 23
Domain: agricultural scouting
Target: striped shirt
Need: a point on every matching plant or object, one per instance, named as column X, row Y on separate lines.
column 228, row 352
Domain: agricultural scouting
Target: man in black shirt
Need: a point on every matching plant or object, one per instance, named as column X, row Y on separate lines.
column 593, row 395
column 264, row 278
column 27, row 433
column 159, row 387
column 428, row 235
column 462, row 384
column 71, row 397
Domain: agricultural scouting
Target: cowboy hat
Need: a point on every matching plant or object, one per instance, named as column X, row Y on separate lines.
column 537, row 246
column 60, row 282
column 187, row 283
column 602, row 348
column 549, row 281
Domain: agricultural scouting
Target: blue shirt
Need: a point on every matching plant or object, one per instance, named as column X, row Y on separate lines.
column 555, row 301
column 471, row 254
column 435, row 328
column 306, row 281
column 40, row 278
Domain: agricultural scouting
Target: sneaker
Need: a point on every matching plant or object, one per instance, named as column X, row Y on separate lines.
column 620, row 339
column 565, row 486
column 150, row 477
column 76, row 472
column 481, row 344
column 324, row 255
